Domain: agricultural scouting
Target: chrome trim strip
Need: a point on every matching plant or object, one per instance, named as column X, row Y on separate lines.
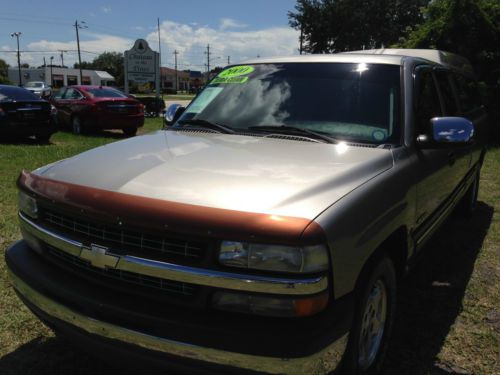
column 323, row 362
column 191, row 275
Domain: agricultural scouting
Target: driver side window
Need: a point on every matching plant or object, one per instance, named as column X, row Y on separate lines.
column 428, row 105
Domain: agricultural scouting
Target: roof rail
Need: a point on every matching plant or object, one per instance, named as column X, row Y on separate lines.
column 444, row 58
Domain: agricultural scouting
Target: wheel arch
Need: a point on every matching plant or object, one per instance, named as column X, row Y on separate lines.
column 396, row 248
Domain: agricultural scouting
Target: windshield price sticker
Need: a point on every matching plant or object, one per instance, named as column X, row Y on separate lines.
column 236, row 71
column 229, row 80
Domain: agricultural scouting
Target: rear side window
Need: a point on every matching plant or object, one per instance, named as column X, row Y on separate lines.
column 427, row 105
column 450, row 104
column 106, row 93
column 72, row 94
column 468, row 95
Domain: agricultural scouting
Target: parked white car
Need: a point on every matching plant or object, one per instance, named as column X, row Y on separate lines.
column 39, row 88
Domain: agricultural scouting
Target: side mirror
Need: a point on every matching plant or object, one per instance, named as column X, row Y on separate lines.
column 447, row 131
column 174, row 111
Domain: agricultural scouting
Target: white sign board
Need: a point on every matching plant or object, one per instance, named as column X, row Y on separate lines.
column 142, row 65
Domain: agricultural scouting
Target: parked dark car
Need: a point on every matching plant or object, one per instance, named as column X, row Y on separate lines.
column 22, row 113
column 96, row 107
column 152, row 106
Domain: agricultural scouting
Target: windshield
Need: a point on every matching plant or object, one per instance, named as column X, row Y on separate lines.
column 105, row 93
column 34, row 84
column 354, row 102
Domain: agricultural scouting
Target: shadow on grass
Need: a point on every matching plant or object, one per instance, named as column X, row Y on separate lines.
column 51, row 356
column 430, row 300
column 431, row 297
column 25, row 141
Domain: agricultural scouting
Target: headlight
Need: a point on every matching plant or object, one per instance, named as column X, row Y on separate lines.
column 27, row 205
column 281, row 258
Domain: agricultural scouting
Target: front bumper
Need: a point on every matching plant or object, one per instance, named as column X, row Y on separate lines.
column 41, row 288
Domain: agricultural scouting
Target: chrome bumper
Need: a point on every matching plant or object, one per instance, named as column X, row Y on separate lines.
column 323, row 362
column 192, row 275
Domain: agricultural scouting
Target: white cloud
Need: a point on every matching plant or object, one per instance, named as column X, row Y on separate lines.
column 191, row 42
column 106, row 9
column 229, row 23
column 188, row 39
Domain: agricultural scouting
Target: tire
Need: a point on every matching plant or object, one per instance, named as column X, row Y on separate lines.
column 468, row 203
column 77, row 125
column 373, row 319
column 130, row 132
column 43, row 138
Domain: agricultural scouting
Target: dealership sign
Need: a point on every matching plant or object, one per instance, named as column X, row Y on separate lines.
column 142, row 64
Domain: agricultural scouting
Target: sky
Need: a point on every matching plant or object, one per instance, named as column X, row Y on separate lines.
column 240, row 29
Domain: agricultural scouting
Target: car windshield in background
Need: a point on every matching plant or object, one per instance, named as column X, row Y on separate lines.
column 15, row 93
column 34, row 84
column 105, row 93
column 353, row 102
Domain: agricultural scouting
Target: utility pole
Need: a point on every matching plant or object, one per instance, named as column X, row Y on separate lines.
column 62, row 57
column 208, row 62
column 51, row 58
column 301, row 37
column 159, row 57
column 176, row 78
column 16, row 34
column 80, row 25
column 229, row 60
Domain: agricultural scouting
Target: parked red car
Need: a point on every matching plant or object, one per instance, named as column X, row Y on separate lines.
column 96, row 107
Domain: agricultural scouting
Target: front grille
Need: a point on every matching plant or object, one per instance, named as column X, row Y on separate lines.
column 124, row 240
column 81, row 266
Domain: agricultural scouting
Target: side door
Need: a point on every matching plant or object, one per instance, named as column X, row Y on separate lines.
column 71, row 103
column 436, row 174
column 449, row 99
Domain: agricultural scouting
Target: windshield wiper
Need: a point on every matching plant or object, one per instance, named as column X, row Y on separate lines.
column 296, row 130
column 207, row 124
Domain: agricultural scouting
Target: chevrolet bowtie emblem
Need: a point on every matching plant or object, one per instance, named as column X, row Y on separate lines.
column 99, row 257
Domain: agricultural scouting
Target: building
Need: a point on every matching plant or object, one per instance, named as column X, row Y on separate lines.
column 188, row 80
column 58, row 77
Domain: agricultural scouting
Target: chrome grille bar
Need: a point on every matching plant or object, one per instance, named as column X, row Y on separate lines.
column 143, row 280
column 190, row 275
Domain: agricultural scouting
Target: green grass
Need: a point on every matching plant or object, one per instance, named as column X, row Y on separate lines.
column 448, row 311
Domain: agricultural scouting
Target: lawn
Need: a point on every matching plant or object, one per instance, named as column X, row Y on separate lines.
column 448, row 318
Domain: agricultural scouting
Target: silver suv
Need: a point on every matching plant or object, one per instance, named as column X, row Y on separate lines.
column 267, row 227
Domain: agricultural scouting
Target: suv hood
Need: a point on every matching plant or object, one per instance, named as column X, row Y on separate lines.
column 243, row 173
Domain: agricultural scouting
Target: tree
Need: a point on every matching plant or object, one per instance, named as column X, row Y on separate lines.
column 4, row 68
column 470, row 28
column 342, row 25
column 111, row 62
